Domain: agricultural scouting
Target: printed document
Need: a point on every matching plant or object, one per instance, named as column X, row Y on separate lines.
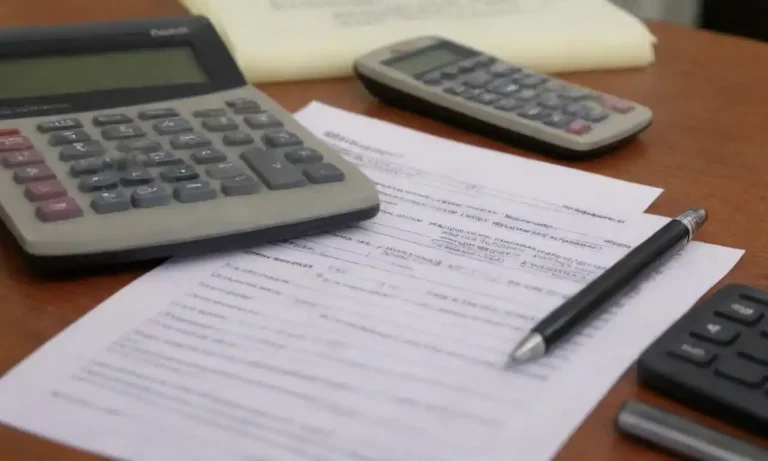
column 279, row 40
column 381, row 342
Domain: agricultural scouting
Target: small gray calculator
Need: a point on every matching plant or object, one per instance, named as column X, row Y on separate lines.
column 451, row 82
column 141, row 139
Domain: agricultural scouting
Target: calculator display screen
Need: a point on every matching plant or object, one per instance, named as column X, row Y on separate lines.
column 111, row 70
column 425, row 60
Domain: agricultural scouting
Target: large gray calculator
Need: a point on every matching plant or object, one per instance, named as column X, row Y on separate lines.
column 454, row 83
column 141, row 139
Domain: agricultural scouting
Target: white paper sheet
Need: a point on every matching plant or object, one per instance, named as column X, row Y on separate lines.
column 381, row 342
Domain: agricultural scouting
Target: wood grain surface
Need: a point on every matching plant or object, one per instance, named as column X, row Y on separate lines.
column 708, row 146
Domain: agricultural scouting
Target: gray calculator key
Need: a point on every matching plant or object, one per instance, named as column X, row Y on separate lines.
column 501, row 69
column 432, row 78
column 117, row 132
column 208, row 155
column 190, row 141
column 69, row 123
column 478, row 80
column 262, row 120
column 110, row 202
column 100, row 181
column 526, row 94
column 224, row 170
column 82, row 150
column 178, row 173
column 486, row 98
column 162, row 158
column 304, row 155
column 272, row 169
column 533, row 112
column 204, row 113
column 237, row 138
column 509, row 104
column 529, row 79
column 455, row 88
column 557, row 120
column 89, row 166
column 574, row 93
column 243, row 105
column 450, row 72
column 172, row 126
column 150, row 196
column 282, row 138
column 470, row 93
column 220, row 124
column 484, row 61
column 321, row 173
column 61, row 138
column 143, row 146
column 136, row 177
column 111, row 119
column 465, row 66
column 154, row 114
column 195, row 191
column 504, row 87
column 551, row 101
column 239, row 185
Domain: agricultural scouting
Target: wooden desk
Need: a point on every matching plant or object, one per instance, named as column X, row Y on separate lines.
column 706, row 147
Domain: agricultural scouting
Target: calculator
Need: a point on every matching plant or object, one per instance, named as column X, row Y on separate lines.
column 141, row 139
column 715, row 358
column 456, row 84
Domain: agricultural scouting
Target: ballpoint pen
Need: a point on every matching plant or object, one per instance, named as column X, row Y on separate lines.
column 608, row 286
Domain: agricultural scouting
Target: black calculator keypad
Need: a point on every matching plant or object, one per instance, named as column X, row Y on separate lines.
column 715, row 358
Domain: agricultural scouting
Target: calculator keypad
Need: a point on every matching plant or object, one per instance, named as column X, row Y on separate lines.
column 123, row 160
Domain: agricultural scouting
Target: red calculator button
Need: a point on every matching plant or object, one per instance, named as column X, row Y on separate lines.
column 59, row 209
column 32, row 173
column 44, row 190
column 9, row 131
column 579, row 127
column 21, row 158
column 11, row 143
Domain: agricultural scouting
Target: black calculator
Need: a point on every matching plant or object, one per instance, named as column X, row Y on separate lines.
column 715, row 358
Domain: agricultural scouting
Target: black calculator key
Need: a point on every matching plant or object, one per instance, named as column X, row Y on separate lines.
column 69, row 123
column 154, row 114
column 82, row 150
column 128, row 131
column 220, row 124
column 208, row 155
column 61, row 138
column 741, row 371
column 239, row 185
column 204, row 113
column 172, row 126
column 237, row 138
column 136, row 177
column 716, row 332
column 111, row 119
column 262, row 120
column 190, row 141
column 276, row 172
column 741, row 312
column 144, row 146
column 101, row 181
column 303, row 155
column 150, row 196
column 179, row 173
column 195, row 191
column 282, row 138
column 89, row 166
column 322, row 173
column 162, row 158
column 224, row 170
column 756, row 350
column 693, row 353
column 110, row 202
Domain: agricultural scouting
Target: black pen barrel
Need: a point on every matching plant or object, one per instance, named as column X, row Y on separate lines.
column 615, row 281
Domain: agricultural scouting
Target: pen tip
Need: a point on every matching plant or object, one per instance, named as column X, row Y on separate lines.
column 530, row 348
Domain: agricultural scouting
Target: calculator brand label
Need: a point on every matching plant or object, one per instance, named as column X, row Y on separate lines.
column 169, row 32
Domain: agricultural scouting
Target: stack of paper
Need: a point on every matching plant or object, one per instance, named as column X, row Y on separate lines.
column 383, row 342
column 277, row 40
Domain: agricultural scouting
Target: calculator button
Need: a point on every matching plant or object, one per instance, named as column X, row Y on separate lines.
column 224, row 170
column 179, row 173
column 110, row 202
column 100, row 181
column 81, row 150
column 551, row 101
column 21, row 158
column 470, row 93
column 486, row 98
column 579, row 127
column 526, row 94
column 208, row 155
column 618, row 105
column 509, row 104
column 136, row 177
column 89, row 166
column 303, row 155
column 190, row 141
column 11, row 143
column 588, row 112
column 740, row 312
column 574, row 93
column 741, row 371
column 484, row 61
column 321, row 173
column 432, row 78
column 239, row 185
column 144, row 146
column 465, row 66
column 529, row 80
column 455, row 88
column 557, row 120
column 716, row 332
column 117, row 132
column 694, row 354
column 9, row 131
column 150, row 196
column 154, row 114
column 61, row 138
column 31, row 173
column 273, row 170
column 172, row 126
column 237, row 138
column 162, row 158
column 196, row 191
column 220, row 124
column 243, row 106
column 534, row 113
column 501, row 69
column 450, row 72
column 59, row 209
column 503, row 87
column 45, row 190
column 262, row 121
column 281, row 138
column 756, row 350
column 478, row 80
column 111, row 119
column 69, row 123
column 205, row 113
